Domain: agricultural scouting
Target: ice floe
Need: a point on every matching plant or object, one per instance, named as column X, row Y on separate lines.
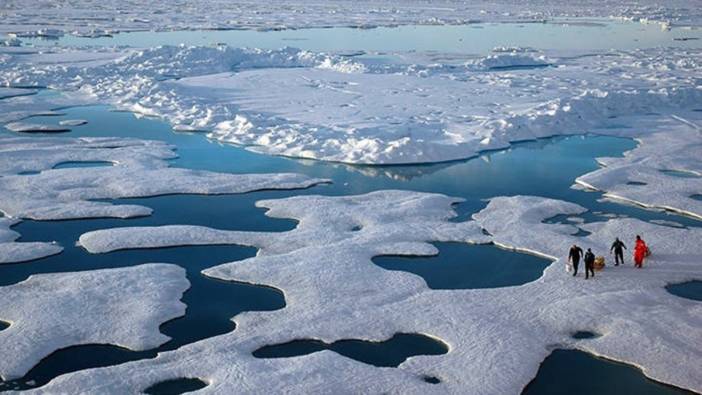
column 26, row 127
column 322, row 106
column 324, row 268
column 12, row 251
column 73, row 122
column 31, row 186
column 641, row 176
column 123, row 307
column 509, row 60
column 140, row 169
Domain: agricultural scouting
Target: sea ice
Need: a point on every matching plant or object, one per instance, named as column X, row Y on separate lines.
column 25, row 127
column 140, row 169
column 324, row 268
column 73, row 122
column 313, row 105
column 87, row 18
column 30, row 187
column 328, row 107
column 12, row 92
column 12, row 251
column 638, row 177
column 123, row 307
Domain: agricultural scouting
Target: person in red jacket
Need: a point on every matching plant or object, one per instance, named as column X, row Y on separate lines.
column 640, row 252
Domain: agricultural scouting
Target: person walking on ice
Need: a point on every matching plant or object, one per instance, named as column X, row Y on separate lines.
column 589, row 260
column 618, row 247
column 574, row 257
column 640, row 252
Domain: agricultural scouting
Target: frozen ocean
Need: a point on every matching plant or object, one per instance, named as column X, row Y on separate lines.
column 349, row 197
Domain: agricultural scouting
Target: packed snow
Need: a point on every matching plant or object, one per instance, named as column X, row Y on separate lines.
column 122, row 307
column 324, row 268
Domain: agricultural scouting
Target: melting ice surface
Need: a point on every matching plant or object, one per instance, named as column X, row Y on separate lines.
column 526, row 168
column 212, row 303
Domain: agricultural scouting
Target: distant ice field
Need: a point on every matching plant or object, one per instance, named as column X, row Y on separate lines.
column 477, row 38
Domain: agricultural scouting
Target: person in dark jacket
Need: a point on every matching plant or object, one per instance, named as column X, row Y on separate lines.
column 618, row 247
column 574, row 257
column 589, row 260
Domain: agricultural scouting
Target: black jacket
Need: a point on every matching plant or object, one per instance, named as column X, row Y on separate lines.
column 575, row 253
column 617, row 246
column 589, row 258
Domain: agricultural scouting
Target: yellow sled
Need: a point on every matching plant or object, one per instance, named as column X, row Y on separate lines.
column 599, row 263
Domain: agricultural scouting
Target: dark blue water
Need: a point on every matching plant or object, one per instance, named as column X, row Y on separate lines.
column 389, row 353
column 544, row 167
column 211, row 303
column 575, row 372
column 585, row 335
column 468, row 266
column 176, row 386
column 689, row 290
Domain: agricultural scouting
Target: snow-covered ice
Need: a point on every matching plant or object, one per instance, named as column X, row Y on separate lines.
column 122, row 307
column 640, row 176
column 324, row 268
column 418, row 108
column 324, row 106
column 73, row 122
column 91, row 17
column 26, row 127
column 31, row 188
column 140, row 169
column 12, row 251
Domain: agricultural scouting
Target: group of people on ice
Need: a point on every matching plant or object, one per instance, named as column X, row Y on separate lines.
column 641, row 251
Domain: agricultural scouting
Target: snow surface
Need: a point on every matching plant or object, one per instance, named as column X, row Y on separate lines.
column 677, row 147
column 98, row 18
column 12, row 251
column 123, row 307
column 324, row 268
